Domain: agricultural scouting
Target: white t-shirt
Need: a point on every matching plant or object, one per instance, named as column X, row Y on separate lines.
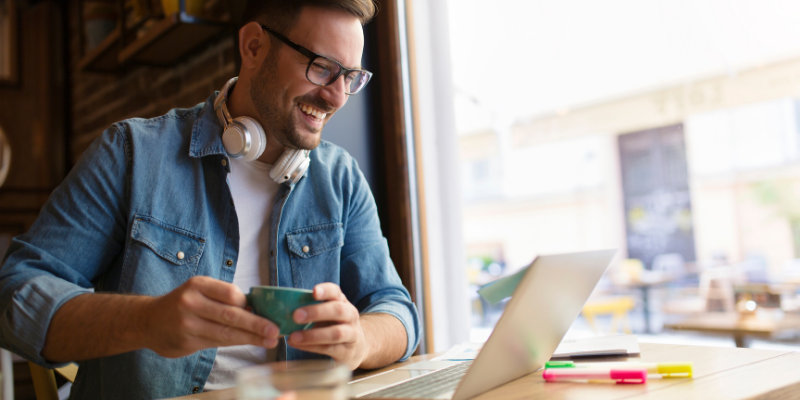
column 253, row 193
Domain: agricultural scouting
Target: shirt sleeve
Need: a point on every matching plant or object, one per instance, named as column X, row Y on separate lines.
column 369, row 278
column 77, row 235
column 408, row 317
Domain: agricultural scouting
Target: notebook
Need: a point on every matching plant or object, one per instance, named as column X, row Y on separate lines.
column 617, row 345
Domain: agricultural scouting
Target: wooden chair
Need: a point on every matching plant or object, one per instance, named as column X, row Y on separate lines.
column 44, row 380
column 715, row 293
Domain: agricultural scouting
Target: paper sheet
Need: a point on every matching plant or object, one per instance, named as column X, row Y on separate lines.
column 594, row 346
column 461, row 352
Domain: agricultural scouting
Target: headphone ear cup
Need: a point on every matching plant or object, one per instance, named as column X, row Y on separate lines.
column 253, row 133
column 279, row 169
column 234, row 139
column 302, row 166
column 290, row 166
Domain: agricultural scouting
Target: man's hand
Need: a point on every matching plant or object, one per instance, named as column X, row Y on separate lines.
column 366, row 341
column 337, row 331
column 202, row 313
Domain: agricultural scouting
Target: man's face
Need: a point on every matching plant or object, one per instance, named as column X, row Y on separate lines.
column 284, row 98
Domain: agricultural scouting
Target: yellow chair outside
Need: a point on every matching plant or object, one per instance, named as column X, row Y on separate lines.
column 633, row 268
column 617, row 307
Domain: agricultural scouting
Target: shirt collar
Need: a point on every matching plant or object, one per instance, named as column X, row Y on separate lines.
column 207, row 132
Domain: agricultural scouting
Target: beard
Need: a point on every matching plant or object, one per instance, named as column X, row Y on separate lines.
column 266, row 94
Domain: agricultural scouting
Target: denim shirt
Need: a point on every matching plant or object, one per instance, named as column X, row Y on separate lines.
column 147, row 189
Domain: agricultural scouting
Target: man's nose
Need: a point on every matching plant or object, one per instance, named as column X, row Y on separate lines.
column 335, row 94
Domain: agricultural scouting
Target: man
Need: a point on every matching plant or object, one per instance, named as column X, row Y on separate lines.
column 158, row 219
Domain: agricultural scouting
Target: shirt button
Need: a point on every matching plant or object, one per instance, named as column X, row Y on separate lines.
column 181, row 255
column 305, row 249
column 224, row 162
column 272, row 253
column 195, row 389
column 229, row 263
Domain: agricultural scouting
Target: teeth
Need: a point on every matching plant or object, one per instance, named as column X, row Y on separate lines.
column 312, row 111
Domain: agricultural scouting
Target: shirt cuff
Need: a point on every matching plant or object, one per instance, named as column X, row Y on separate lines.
column 406, row 317
column 32, row 308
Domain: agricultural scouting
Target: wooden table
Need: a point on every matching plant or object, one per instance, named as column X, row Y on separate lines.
column 719, row 373
column 645, row 286
column 741, row 329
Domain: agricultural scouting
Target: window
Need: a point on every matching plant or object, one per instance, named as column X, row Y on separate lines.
column 545, row 92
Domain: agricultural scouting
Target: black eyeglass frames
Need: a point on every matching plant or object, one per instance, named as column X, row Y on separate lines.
column 323, row 71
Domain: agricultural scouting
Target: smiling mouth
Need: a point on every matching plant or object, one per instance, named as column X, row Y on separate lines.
column 312, row 112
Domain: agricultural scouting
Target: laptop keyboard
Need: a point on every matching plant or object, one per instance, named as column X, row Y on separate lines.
column 426, row 386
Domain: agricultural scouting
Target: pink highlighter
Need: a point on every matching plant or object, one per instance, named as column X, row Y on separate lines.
column 595, row 375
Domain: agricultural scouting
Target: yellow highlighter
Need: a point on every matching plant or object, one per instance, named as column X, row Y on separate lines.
column 666, row 370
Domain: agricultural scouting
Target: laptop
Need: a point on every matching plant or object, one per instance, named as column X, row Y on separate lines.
column 547, row 300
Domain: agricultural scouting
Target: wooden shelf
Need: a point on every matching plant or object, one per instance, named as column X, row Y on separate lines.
column 104, row 57
column 169, row 40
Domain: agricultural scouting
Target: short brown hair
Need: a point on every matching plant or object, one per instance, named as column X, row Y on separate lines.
column 281, row 15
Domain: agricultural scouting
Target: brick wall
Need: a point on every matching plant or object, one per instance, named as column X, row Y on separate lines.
column 32, row 117
column 100, row 99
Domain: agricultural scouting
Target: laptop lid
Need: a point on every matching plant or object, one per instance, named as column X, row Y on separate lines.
column 546, row 301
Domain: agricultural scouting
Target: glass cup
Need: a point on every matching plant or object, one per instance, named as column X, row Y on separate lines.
column 295, row 380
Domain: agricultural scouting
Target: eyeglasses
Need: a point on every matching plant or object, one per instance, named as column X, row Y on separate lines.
column 323, row 71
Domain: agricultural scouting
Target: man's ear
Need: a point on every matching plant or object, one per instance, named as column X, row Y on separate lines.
column 253, row 45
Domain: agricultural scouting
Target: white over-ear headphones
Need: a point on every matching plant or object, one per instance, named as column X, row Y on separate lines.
column 243, row 137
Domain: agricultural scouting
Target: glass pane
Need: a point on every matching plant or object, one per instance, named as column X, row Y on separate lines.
column 667, row 129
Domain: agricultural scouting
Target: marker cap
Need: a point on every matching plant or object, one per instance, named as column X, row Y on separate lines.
column 673, row 369
column 559, row 364
column 629, row 376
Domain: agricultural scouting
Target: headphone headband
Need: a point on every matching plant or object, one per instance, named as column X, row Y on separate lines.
column 220, row 103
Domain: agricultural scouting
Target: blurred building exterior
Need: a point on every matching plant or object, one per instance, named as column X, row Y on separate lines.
column 554, row 183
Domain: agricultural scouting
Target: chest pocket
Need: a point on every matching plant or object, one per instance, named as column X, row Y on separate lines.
column 314, row 253
column 176, row 245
